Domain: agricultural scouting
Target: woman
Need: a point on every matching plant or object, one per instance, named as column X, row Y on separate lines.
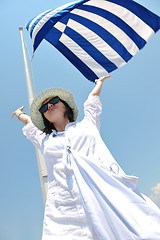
column 89, row 195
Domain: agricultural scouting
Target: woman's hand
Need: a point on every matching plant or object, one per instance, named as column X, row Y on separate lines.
column 18, row 111
column 21, row 115
column 102, row 79
column 99, row 82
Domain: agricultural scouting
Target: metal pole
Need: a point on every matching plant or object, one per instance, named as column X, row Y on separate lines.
column 26, row 68
column 40, row 159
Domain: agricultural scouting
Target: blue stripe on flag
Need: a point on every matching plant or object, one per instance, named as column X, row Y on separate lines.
column 81, row 66
column 52, row 21
column 27, row 26
column 37, row 21
column 64, row 19
column 105, row 35
column 140, row 42
column 90, row 49
column 143, row 13
column 41, row 34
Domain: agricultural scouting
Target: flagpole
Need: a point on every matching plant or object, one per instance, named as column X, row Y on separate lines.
column 40, row 159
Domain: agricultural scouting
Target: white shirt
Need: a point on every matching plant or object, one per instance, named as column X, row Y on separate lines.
column 82, row 174
column 64, row 204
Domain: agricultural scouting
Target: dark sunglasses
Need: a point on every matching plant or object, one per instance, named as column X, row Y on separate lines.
column 44, row 107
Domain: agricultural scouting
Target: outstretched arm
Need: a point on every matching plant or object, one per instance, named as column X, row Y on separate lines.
column 21, row 115
column 97, row 89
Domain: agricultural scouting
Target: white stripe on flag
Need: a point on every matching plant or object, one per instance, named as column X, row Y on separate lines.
column 41, row 23
column 33, row 21
column 127, row 16
column 83, row 55
column 121, row 36
column 97, row 42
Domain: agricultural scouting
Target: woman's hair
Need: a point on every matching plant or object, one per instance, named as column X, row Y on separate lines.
column 50, row 126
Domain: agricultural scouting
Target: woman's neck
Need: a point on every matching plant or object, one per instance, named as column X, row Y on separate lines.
column 60, row 126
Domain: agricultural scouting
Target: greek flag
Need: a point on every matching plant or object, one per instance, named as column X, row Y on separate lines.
column 96, row 36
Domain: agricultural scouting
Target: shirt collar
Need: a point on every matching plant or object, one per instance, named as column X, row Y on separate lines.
column 55, row 133
column 71, row 124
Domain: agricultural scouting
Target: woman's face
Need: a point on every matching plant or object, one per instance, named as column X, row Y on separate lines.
column 55, row 113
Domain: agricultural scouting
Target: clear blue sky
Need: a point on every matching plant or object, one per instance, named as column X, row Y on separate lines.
column 130, row 123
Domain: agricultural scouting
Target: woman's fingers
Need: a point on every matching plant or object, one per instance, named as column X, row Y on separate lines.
column 102, row 78
column 108, row 76
column 13, row 114
column 19, row 110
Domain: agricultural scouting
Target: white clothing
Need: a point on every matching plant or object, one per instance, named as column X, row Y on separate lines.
column 82, row 174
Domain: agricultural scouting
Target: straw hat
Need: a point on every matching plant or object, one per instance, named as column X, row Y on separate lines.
column 63, row 94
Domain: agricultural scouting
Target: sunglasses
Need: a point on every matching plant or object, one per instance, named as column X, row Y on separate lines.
column 44, row 107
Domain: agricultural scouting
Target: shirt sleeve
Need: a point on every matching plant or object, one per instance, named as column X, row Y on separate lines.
column 33, row 134
column 93, row 109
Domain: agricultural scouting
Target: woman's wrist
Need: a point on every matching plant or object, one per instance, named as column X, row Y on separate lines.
column 19, row 114
column 99, row 82
column 23, row 117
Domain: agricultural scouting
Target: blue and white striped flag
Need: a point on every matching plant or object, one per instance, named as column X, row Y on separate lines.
column 96, row 36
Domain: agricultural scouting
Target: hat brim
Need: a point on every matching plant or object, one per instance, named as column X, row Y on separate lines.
column 63, row 94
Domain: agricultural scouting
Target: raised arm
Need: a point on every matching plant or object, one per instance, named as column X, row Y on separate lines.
column 97, row 89
column 21, row 115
